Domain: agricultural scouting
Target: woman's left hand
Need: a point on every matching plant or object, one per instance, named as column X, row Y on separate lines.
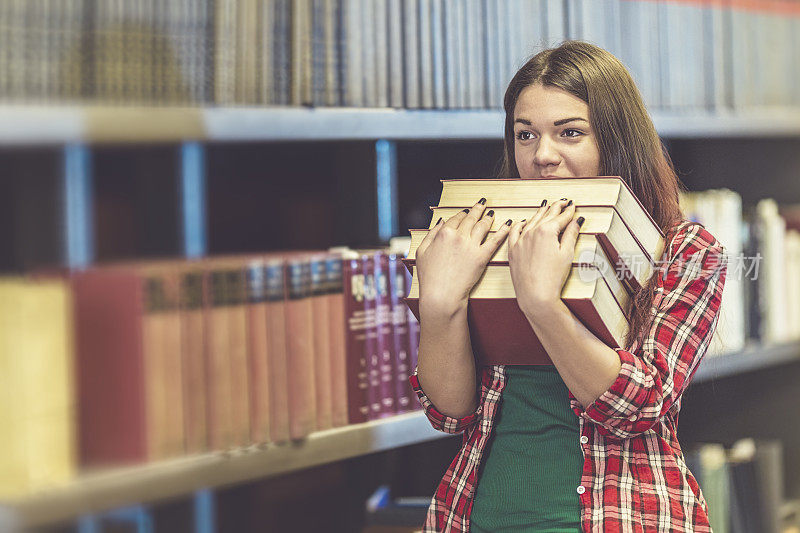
column 540, row 252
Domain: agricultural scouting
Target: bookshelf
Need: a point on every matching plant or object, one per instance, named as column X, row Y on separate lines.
column 20, row 125
column 150, row 483
column 121, row 487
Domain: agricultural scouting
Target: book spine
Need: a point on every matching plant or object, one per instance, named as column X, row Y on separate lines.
column 383, row 323
column 300, row 349
column 277, row 349
column 399, row 313
column 258, row 352
column 338, row 326
column 322, row 345
column 236, row 311
column 356, row 325
column 219, row 379
column 193, row 347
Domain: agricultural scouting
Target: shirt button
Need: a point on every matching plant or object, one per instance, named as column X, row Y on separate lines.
column 584, row 439
column 581, row 489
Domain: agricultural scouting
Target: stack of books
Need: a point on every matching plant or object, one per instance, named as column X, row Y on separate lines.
column 616, row 252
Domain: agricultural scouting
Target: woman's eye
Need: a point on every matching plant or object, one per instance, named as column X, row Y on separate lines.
column 521, row 135
column 573, row 133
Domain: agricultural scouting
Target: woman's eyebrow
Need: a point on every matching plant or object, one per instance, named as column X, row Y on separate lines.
column 565, row 120
column 556, row 123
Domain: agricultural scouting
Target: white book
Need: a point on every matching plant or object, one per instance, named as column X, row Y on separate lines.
column 438, row 40
column 716, row 62
column 266, row 38
column 532, row 29
column 411, row 58
column 553, row 22
column 427, row 68
column 450, row 52
column 744, row 54
column 352, row 59
column 394, row 22
column 792, row 273
column 494, row 86
column 462, row 64
column 639, row 47
column 368, row 54
column 574, row 9
column 476, row 53
column 380, row 35
column 772, row 282
column 332, row 27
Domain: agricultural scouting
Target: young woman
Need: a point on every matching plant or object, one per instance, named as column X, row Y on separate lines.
column 589, row 443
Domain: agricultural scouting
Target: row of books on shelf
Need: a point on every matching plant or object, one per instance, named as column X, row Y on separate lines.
column 743, row 486
column 137, row 362
column 761, row 297
column 443, row 54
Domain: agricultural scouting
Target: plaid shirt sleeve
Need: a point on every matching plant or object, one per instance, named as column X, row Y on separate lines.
column 439, row 421
column 654, row 376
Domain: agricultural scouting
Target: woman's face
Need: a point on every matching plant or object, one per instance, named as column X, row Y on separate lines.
column 552, row 135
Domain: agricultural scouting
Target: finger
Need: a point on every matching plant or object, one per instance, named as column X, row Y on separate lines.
column 493, row 243
column 570, row 236
column 428, row 239
column 482, row 227
column 515, row 231
column 539, row 215
column 565, row 216
column 556, row 208
column 455, row 220
column 474, row 215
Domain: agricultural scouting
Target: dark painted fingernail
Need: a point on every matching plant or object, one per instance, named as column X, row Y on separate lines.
column 437, row 222
column 544, row 203
column 466, row 210
column 490, row 213
column 563, row 198
column 508, row 222
column 482, row 201
column 523, row 220
column 569, row 203
column 581, row 220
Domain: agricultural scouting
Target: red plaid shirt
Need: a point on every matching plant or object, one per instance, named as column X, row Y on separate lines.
column 634, row 476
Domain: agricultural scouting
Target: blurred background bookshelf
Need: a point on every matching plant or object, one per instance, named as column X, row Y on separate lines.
column 197, row 130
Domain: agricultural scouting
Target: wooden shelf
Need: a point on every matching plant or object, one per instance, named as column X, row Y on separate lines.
column 754, row 357
column 121, row 487
column 103, row 124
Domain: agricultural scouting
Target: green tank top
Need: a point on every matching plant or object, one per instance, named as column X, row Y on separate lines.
column 533, row 462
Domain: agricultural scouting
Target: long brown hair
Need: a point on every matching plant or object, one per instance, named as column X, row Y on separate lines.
column 628, row 143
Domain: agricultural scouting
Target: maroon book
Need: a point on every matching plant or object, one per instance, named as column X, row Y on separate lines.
column 355, row 329
column 383, row 326
column 399, row 341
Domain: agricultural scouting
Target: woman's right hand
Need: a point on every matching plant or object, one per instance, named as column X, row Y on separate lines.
column 452, row 257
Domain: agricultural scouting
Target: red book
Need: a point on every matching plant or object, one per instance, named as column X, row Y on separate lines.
column 355, row 328
column 371, row 336
column 128, row 357
column 322, row 345
column 300, row 347
column 384, row 340
column 236, row 311
column 500, row 332
column 257, row 351
column 277, row 349
column 194, row 358
column 399, row 341
column 218, row 367
column 338, row 342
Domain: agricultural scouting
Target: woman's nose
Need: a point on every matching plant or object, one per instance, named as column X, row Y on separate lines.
column 546, row 154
